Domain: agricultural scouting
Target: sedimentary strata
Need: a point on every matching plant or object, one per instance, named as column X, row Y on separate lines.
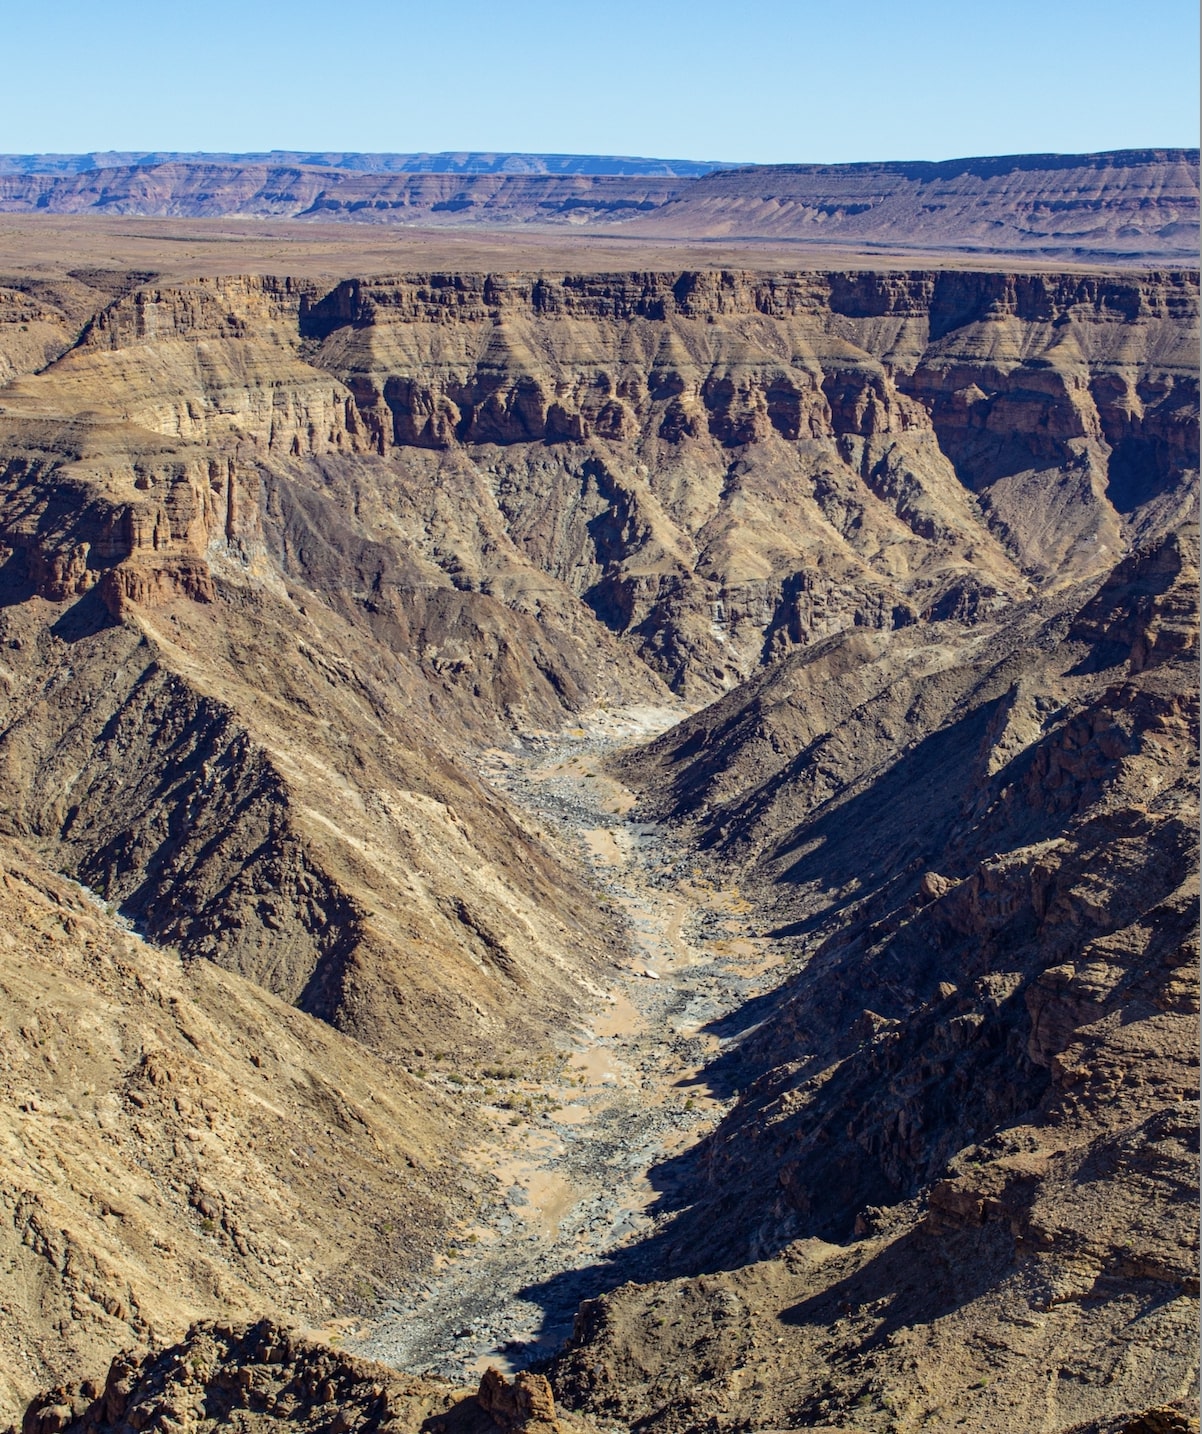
column 282, row 559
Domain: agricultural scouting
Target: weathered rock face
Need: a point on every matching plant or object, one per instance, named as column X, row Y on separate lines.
column 524, row 1403
column 722, row 466
column 1121, row 204
column 970, row 1123
column 719, row 466
column 279, row 559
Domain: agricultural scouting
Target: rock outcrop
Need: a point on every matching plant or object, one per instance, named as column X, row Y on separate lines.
column 264, row 1376
column 257, row 1377
column 525, row 1403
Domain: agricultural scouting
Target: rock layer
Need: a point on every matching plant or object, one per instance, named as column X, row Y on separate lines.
column 280, row 559
column 1124, row 204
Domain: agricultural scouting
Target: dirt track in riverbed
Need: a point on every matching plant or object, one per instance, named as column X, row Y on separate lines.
column 576, row 1165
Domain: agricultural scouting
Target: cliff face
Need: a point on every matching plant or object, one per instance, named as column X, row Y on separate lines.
column 1127, row 204
column 279, row 559
column 722, row 466
column 1115, row 204
column 718, row 466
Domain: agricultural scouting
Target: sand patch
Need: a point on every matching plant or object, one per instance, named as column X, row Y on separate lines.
column 621, row 1019
column 603, row 846
column 549, row 1197
column 597, row 1066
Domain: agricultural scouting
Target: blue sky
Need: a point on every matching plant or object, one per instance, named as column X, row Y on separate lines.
column 756, row 81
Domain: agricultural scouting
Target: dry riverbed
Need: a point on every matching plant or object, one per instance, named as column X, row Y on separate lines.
column 577, row 1160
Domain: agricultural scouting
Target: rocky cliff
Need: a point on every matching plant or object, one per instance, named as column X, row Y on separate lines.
column 1139, row 205
column 719, row 466
column 281, row 560
column 1124, row 202
column 892, row 436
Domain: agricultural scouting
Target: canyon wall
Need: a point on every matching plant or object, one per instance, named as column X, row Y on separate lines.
column 959, row 1175
column 280, row 560
column 1136, row 205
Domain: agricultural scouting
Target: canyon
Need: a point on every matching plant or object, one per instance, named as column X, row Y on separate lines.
column 633, row 820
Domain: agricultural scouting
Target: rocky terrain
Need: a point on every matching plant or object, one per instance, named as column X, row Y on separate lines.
column 253, row 1376
column 178, row 1141
column 335, row 618
column 1134, row 205
column 986, row 1071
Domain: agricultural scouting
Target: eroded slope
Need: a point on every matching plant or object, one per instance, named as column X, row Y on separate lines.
column 179, row 1142
column 960, row 1179
column 280, row 560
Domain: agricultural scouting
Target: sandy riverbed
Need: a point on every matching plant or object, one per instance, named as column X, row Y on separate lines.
column 576, row 1180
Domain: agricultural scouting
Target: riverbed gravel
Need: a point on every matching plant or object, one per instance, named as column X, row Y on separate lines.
column 583, row 1175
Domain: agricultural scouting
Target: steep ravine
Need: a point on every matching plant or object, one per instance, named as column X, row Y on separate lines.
column 595, row 1153
column 279, row 563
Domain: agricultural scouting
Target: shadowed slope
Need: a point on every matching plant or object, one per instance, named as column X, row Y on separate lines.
column 964, row 1152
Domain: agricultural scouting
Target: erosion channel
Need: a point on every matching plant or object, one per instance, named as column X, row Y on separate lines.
column 599, row 1153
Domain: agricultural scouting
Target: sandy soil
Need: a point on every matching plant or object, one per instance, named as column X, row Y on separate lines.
column 45, row 246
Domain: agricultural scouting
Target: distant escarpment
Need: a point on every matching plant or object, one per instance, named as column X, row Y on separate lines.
column 352, row 161
column 208, row 190
column 1133, row 205
column 1116, row 204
